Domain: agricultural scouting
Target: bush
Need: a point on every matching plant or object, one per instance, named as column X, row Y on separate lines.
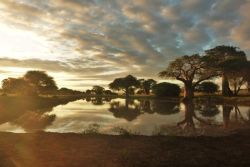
column 207, row 87
column 165, row 89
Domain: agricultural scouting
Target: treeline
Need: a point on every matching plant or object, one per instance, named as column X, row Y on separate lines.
column 226, row 62
column 194, row 71
column 35, row 83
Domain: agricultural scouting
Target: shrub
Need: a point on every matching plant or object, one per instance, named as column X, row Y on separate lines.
column 165, row 89
column 207, row 87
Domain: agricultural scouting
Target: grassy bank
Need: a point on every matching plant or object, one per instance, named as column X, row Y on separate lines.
column 52, row 150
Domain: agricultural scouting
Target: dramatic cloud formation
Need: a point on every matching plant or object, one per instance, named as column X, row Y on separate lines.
column 84, row 42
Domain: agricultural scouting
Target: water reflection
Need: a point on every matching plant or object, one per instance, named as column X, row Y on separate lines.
column 190, row 115
column 129, row 111
column 31, row 114
column 141, row 115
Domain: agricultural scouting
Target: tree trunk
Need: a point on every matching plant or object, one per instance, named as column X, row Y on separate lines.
column 188, row 90
column 248, row 86
column 226, row 114
column 225, row 86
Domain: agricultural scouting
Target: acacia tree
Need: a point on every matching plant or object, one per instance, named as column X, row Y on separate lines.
column 147, row 85
column 124, row 84
column 218, row 57
column 238, row 74
column 191, row 70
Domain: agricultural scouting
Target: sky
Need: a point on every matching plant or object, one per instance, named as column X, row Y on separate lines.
column 82, row 43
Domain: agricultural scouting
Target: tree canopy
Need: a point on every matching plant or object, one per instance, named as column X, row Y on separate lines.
column 124, row 84
column 41, row 81
column 191, row 70
column 220, row 59
column 165, row 89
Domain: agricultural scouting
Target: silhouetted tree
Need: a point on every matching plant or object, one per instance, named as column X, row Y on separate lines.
column 238, row 74
column 124, row 84
column 98, row 90
column 208, row 87
column 218, row 57
column 191, row 70
column 165, row 89
column 146, row 85
column 41, row 81
column 17, row 85
column 66, row 91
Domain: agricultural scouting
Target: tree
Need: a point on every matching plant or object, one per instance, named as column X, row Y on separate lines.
column 208, row 87
column 218, row 57
column 238, row 74
column 98, row 90
column 146, row 85
column 124, row 84
column 16, row 85
column 191, row 70
column 40, row 81
column 66, row 91
column 165, row 89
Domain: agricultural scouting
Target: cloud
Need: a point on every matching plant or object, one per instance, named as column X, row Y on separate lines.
column 118, row 37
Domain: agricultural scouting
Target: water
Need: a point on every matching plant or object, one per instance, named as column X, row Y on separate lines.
column 146, row 117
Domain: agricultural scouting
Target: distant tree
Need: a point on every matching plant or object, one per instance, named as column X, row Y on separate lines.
column 17, row 85
column 88, row 92
column 219, row 57
column 41, row 81
column 109, row 92
column 191, row 70
column 165, row 89
column 98, row 90
column 124, row 84
column 208, row 87
column 66, row 91
column 146, row 85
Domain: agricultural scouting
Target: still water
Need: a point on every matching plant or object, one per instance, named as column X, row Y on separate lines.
column 145, row 117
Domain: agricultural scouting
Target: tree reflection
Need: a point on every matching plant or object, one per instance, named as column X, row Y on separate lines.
column 207, row 109
column 129, row 111
column 165, row 107
column 29, row 113
column 190, row 115
column 232, row 116
column 33, row 121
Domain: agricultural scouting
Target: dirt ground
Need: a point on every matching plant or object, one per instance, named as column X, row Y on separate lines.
column 54, row 150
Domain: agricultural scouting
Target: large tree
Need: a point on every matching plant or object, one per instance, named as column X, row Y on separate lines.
column 124, row 84
column 191, row 70
column 41, row 81
column 219, row 57
column 238, row 74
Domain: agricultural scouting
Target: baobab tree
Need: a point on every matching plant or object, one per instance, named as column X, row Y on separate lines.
column 191, row 70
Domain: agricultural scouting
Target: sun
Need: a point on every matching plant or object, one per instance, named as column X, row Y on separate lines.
column 22, row 44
